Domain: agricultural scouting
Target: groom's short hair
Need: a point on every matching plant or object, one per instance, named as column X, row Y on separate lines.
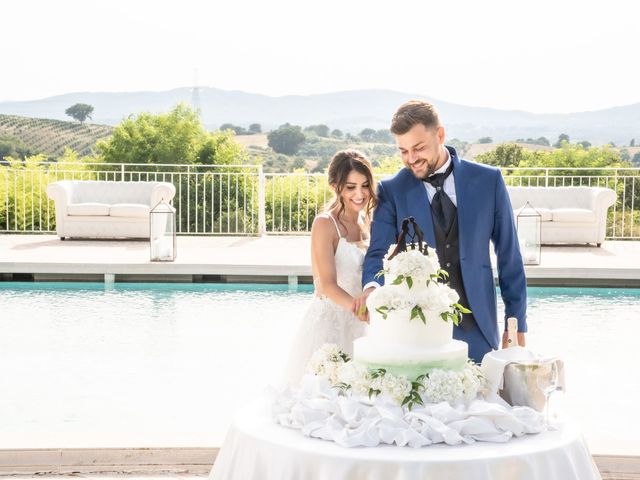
column 412, row 113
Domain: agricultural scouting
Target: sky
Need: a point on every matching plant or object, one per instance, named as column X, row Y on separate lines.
column 542, row 56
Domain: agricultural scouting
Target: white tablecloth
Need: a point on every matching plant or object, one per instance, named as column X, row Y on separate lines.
column 258, row 449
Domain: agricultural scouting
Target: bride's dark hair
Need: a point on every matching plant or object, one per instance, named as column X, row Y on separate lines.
column 340, row 166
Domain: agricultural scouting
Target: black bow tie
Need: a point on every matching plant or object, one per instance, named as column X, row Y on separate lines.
column 437, row 179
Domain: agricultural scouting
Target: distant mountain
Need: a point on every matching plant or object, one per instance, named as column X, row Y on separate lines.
column 349, row 111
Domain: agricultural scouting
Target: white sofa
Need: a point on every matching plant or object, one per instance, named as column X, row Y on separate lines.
column 568, row 214
column 103, row 209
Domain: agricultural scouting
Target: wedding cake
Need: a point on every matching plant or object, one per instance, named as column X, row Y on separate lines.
column 412, row 318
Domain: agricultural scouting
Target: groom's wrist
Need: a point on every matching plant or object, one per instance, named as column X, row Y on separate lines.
column 371, row 285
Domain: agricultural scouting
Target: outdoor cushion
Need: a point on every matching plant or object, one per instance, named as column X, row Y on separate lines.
column 88, row 209
column 129, row 210
column 573, row 215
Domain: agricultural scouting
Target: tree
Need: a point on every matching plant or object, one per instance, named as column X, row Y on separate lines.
column 337, row 133
column 543, row 141
column 287, row 139
column 584, row 144
column 485, row 140
column 505, row 155
column 255, row 128
column 632, row 143
column 563, row 137
column 625, row 156
column 13, row 147
column 175, row 137
column 230, row 126
column 384, row 136
column 320, row 130
column 368, row 135
column 460, row 146
column 636, row 160
column 79, row 111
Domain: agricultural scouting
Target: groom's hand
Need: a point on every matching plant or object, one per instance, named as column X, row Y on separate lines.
column 521, row 340
column 359, row 307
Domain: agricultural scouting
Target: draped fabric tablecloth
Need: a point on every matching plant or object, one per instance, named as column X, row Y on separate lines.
column 256, row 448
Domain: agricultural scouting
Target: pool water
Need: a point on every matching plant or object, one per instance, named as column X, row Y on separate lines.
column 89, row 365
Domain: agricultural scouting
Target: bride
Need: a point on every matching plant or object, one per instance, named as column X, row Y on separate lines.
column 339, row 238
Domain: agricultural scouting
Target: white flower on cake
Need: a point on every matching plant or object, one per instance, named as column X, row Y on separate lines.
column 396, row 388
column 443, row 386
column 416, row 284
column 326, row 361
column 412, row 265
column 355, row 377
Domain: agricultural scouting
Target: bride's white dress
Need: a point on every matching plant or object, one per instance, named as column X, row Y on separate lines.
column 326, row 322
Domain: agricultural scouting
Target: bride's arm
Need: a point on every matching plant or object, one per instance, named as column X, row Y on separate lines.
column 323, row 241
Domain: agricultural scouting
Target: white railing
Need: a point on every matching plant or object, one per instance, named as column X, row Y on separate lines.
column 243, row 200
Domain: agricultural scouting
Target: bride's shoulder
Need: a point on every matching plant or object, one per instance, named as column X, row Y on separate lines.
column 323, row 224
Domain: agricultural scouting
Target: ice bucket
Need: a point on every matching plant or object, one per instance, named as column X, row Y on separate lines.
column 524, row 382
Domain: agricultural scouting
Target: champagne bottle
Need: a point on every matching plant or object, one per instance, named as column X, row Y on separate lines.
column 512, row 332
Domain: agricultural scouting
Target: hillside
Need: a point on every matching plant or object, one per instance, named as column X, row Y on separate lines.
column 350, row 111
column 51, row 137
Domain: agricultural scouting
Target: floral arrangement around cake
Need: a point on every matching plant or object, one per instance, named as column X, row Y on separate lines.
column 453, row 387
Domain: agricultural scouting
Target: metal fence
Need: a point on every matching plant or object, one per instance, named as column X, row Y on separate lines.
column 243, row 200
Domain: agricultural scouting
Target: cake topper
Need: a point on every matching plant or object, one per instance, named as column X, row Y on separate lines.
column 401, row 244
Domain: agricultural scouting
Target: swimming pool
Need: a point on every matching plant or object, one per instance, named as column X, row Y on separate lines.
column 89, row 365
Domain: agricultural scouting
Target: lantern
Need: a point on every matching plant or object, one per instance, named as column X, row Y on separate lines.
column 162, row 232
column 528, row 221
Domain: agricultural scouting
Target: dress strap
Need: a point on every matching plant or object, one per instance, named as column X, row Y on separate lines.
column 335, row 224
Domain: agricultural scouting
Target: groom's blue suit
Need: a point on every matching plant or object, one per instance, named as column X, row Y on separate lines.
column 484, row 215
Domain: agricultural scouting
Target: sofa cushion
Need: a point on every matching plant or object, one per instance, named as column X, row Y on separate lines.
column 545, row 214
column 88, row 209
column 573, row 215
column 129, row 210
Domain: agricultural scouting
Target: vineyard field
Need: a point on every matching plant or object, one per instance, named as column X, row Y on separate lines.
column 51, row 137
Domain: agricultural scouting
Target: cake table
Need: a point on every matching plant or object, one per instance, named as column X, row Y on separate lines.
column 256, row 448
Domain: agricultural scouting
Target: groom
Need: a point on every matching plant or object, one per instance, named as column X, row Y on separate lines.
column 461, row 207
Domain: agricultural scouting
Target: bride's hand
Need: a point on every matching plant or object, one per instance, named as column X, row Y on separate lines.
column 359, row 305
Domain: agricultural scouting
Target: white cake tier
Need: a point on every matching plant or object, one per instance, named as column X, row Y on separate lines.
column 398, row 329
column 409, row 360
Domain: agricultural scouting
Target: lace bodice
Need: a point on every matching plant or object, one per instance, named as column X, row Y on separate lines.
column 349, row 259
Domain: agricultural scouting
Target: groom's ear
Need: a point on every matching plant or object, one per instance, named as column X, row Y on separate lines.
column 441, row 135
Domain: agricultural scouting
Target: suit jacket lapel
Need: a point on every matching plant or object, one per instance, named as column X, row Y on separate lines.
column 460, row 182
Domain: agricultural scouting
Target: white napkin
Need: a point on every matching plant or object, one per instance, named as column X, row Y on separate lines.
column 494, row 363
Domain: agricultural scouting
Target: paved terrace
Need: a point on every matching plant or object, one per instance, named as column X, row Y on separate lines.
column 273, row 259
